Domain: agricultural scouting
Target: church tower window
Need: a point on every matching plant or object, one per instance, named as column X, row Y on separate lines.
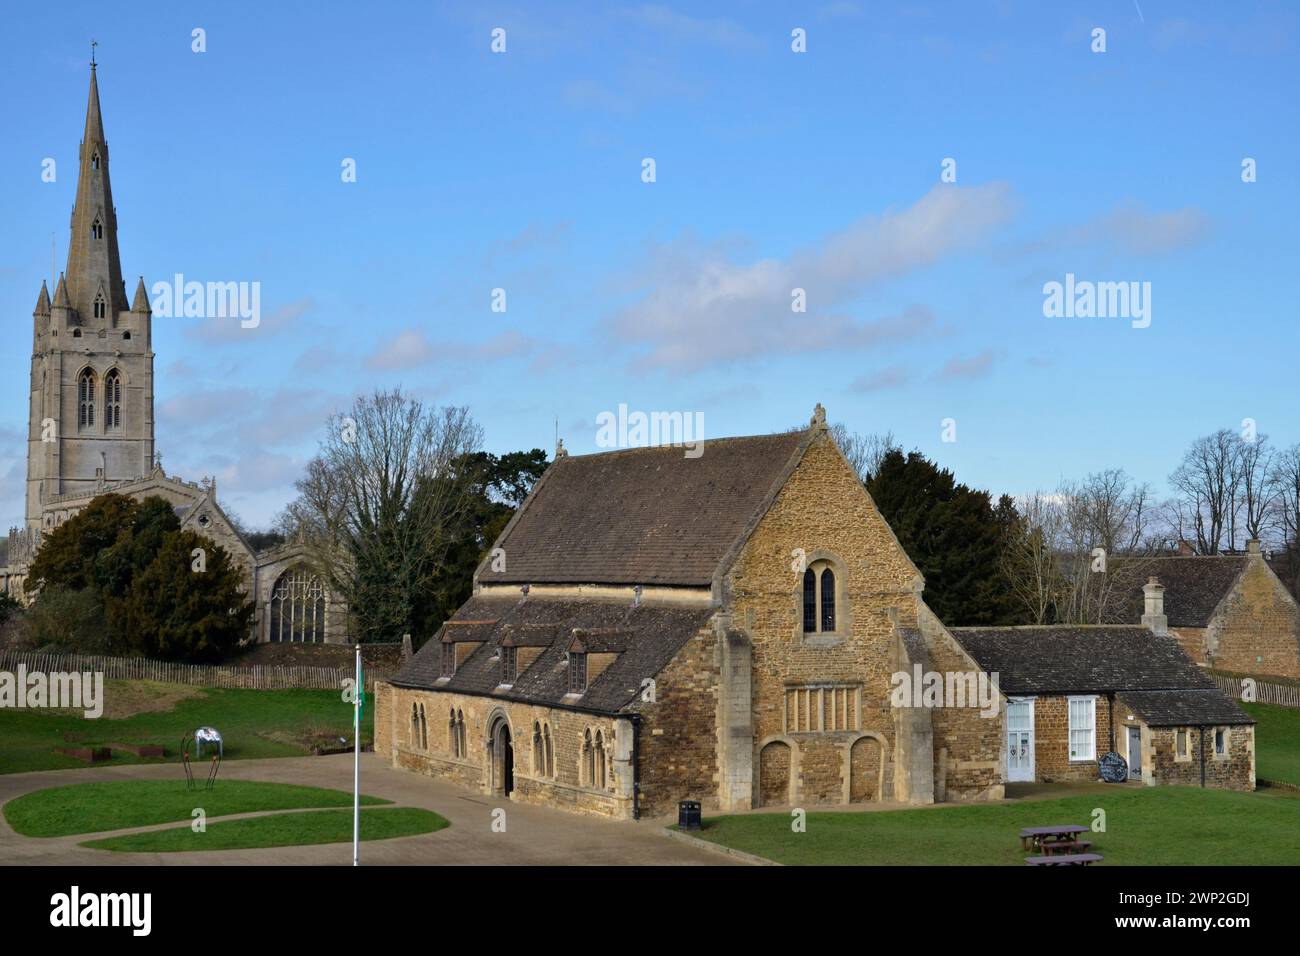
column 86, row 399
column 96, row 229
column 113, row 400
column 94, row 160
column 101, row 307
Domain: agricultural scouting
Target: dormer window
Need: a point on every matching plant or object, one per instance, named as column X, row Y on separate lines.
column 94, row 160
column 509, row 664
column 577, row 673
column 96, row 229
column 101, row 307
column 448, row 663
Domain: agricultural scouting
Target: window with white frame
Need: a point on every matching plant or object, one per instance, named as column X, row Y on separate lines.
column 1083, row 728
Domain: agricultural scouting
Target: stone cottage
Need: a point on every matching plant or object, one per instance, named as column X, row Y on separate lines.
column 1229, row 612
column 1076, row 693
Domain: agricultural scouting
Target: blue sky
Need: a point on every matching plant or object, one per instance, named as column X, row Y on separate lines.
column 774, row 169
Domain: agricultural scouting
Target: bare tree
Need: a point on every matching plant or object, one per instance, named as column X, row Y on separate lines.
column 378, row 505
column 1284, row 477
column 1257, row 488
column 1207, row 482
column 1030, row 560
column 1104, row 517
column 863, row 452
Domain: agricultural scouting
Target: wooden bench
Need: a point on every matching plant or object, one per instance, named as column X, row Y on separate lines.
column 1065, row 859
column 1062, row 847
column 1033, row 838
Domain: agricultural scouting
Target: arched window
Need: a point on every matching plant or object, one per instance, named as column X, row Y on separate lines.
column 86, row 399
column 298, row 608
column 453, row 739
column 539, row 754
column 588, row 759
column 828, row 600
column 126, row 336
column 94, row 160
column 76, row 333
column 819, row 595
column 809, row 601
column 598, row 779
column 548, row 752
column 462, row 750
column 101, row 308
column 424, row 729
column 96, row 229
column 415, row 725
column 113, row 399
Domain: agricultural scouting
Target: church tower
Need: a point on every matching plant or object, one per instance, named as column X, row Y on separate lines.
column 92, row 358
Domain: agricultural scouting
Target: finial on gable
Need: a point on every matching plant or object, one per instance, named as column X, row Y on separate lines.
column 560, row 450
column 818, row 422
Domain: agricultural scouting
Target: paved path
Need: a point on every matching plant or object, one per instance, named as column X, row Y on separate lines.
column 534, row 835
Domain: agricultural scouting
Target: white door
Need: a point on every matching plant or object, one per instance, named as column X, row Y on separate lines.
column 1020, row 741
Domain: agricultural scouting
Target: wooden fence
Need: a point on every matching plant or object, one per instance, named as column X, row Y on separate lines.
column 256, row 677
column 1283, row 695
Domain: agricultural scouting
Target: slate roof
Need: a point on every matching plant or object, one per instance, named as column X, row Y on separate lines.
column 649, row 636
column 1183, row 708
column 647, row 516
column 1282, row 568
column 1194, row 586
column 1064, row 659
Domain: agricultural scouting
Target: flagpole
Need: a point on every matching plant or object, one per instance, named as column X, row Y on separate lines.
column 356, row 765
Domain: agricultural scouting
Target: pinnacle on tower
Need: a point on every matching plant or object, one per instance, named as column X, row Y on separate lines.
column 141, row 301
column 43, row 301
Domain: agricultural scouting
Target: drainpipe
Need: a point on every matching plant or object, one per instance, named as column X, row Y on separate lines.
column 1202, row 755
column 636, row 766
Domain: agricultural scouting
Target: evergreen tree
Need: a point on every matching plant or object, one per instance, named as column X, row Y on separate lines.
column 953, row 535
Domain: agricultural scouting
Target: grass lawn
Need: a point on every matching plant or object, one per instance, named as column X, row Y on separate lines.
column 1277, row 742
column 280, row 829
column 116, row 805
column 1174, row 826
column 253, row 723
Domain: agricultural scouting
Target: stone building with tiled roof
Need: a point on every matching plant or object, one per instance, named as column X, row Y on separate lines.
column 653, row 626
column 1076, row 693
column 1229, row 612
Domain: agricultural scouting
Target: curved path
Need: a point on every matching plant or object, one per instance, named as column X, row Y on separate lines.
column 534, row 835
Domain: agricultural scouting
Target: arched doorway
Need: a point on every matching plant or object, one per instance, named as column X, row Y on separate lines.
column 774, row 774
column 501, row 757
column 865, row 758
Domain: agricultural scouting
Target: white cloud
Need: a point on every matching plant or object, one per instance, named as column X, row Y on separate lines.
column 699, row 307
column 412, row 348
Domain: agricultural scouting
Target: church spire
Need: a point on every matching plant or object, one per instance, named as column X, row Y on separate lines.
column 94, row 267
column 43, row 301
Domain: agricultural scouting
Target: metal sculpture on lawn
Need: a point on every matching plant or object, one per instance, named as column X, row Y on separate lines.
column 204, row 735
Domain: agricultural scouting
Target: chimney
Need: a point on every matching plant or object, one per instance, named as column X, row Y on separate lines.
column 1252, row 546
column 1185, row 550
column 1153, row 593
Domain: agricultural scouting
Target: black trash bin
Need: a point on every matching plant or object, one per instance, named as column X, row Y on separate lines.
column 688, row 814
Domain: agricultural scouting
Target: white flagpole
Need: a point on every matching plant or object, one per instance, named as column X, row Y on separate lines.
column 356, row 765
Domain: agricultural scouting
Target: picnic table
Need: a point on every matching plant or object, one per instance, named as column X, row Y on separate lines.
column 1057, row 837
column 1058, row 846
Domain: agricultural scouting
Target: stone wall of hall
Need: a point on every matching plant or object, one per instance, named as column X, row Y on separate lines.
column 678, row 742
column 803, row 682
column 1257, row 630
column 562, row 783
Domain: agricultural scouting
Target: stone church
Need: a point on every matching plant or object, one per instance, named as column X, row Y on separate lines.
column 91, row 419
